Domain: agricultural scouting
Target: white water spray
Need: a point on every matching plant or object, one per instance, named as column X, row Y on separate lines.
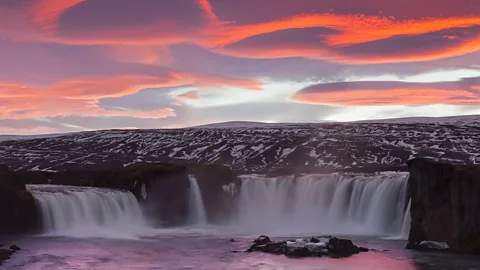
column 89, row 212
column 197, row 214
column 325, row 204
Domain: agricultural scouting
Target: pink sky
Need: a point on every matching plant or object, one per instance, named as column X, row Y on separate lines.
column 69, row 65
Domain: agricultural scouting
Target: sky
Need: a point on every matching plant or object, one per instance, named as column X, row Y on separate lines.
column 73, row 65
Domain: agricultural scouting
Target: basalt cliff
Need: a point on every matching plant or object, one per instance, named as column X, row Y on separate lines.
column 161, row 188
column 445, row 205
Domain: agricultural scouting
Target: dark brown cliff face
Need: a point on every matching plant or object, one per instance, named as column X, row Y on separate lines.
column 162, row 188
column 18, row 212
column 445, row 204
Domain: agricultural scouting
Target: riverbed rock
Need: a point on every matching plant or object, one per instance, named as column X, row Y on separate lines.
column 15, row 248
column 342, row 247
column 304, row 247
column 445, row 205
column 5, row 254
column 432, row 246
column 262, row 240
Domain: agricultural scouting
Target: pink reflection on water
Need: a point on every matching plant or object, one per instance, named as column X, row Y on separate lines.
column 178, row 253
column 370, row 261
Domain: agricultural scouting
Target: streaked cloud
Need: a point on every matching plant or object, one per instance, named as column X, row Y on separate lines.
column 385, row 93
column 82, row 96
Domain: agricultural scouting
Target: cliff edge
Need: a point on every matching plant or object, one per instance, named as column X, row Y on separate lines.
column 445, row 205
column 18, row 212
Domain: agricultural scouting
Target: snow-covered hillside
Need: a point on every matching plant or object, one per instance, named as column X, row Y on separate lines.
column 29, row 137
column 300, row 146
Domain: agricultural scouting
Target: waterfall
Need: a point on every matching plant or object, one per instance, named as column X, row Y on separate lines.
column 406, row 223
column 197, row 214
column 326, row 204
column 89, row 212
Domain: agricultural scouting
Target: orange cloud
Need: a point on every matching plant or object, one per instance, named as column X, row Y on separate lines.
column 149, row 55
column 189, row 95
column 98, row 88
column 34, row 107
column 388, row 94
column 338, row 55
column 81, row 96
column 208, row 10
column 134, row 42
column 353, row 29
column 46, row 13
column 349, row 30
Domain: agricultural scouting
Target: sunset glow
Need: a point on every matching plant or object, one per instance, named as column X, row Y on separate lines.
column 159, row 64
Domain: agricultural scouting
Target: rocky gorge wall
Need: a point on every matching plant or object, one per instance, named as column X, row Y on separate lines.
column 161, row 188
column 445, row 205
column 17, row 206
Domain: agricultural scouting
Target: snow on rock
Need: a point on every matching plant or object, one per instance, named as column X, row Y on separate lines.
column 260, row 149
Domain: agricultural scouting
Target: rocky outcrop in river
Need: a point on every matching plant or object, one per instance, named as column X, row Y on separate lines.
column 310, row 247
column 445, row 205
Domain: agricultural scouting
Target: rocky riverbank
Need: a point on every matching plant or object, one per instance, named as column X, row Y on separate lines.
column 445, row 206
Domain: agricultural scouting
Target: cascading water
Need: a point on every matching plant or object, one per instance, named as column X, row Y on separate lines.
column 89, row 212
column 406, row 222
column 197, row 213
column 330, row 204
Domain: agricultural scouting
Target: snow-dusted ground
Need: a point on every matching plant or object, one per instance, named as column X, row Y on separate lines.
column 303, row 146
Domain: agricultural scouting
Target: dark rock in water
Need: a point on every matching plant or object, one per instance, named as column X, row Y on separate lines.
column 18, row 211
column 313, row 247
column 232, row 240
column 275, row 247
column 314, row 240
column 430, row 246
column 262, row 240
column 445, row 207
column 5, row 254
column 299, row 252
column 342, row 247
column 362, row 249
column 264, row 244
column 15, row 247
